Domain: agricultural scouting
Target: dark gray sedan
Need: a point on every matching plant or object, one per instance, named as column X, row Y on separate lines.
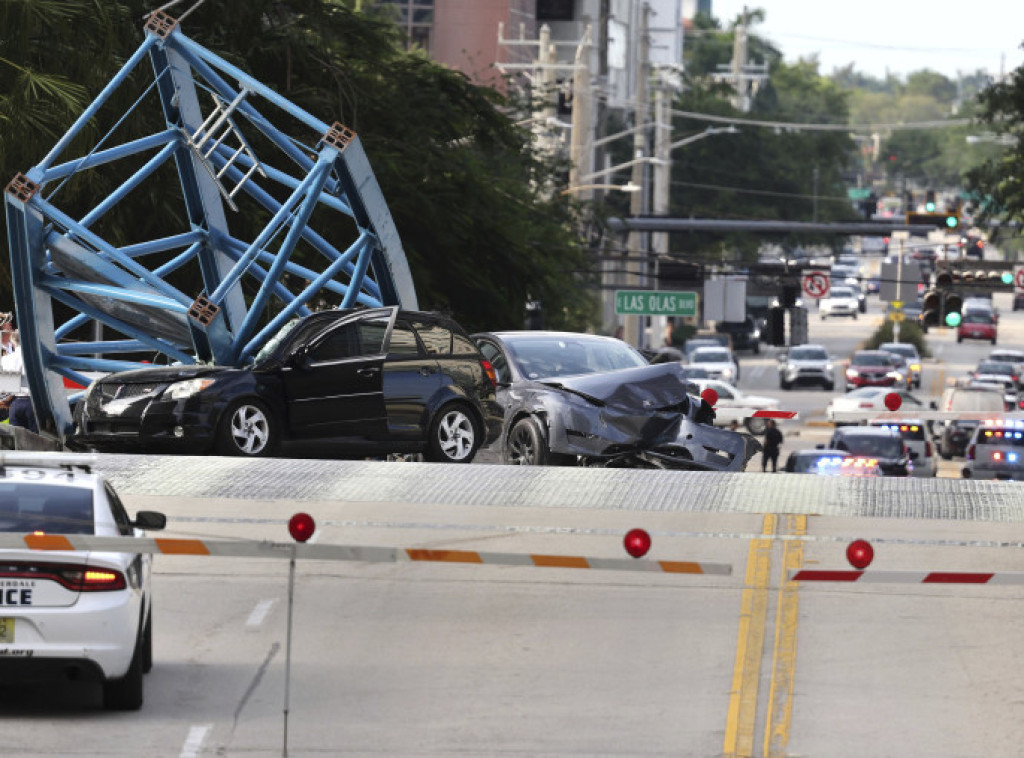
column 583, row 399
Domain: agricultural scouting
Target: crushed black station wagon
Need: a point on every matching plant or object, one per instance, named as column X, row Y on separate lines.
column 367, row 381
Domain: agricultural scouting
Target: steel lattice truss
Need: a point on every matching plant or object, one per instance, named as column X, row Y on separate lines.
column 214, row 113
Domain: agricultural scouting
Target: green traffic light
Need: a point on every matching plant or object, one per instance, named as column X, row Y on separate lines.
column 952, row 222
column 1007, row 277
column 953, row 319
column 930, row 207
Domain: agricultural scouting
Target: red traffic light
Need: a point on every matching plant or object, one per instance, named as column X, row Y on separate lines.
column 301, row 527
column 637, row 542
column 860, row 554
column 710, row 396
column 893, row 401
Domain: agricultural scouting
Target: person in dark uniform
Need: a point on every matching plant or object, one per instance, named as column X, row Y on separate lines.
column 772, row 443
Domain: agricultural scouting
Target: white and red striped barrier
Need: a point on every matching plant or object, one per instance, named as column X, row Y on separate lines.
column 368, row 554
column 911, row 577
column 765, row 413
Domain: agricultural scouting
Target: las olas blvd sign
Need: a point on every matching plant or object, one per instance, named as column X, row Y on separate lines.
column 655, row 303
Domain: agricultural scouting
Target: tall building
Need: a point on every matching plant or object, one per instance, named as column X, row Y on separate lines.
column 464, row 34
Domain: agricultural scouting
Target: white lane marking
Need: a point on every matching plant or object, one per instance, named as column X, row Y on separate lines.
column 259, row 613
column 194, row 741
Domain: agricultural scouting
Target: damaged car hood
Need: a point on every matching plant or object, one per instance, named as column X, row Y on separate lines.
column 641, row 417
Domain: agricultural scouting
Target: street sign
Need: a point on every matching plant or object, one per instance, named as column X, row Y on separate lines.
column 655, row 303
column 897, row 316
column 1018, row 278
column 815, row 284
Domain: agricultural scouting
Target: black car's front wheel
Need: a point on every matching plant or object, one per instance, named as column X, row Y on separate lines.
column 528, row 446
column 247, row 429
column 454, row 436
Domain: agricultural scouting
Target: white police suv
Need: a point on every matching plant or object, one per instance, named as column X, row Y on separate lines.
column 75, row 614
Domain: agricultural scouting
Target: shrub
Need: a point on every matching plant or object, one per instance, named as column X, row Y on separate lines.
column 909, row 332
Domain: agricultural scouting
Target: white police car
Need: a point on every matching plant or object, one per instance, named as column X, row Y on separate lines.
column 996, row 451
column 82, row 615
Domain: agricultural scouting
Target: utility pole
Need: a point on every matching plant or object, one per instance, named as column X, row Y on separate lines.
column 547, row 77
column 635, row 243
column 580, row 152
column 662, row 187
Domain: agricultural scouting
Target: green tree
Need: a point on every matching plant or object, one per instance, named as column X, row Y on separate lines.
column 763, row 173
column 999, row 182
column 464, row 185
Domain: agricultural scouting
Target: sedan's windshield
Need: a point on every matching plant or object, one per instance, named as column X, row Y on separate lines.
column 874, row 446
column 842, row 292
column 871, row 359
column 808, row 354
column 994, row 367
column 710, row 356
column 568, row 356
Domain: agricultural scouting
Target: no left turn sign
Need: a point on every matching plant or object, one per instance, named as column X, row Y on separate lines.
column 1018, row 278
column 815, row 284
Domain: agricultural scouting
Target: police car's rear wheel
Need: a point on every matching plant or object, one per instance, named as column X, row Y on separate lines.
column 125, row 694
column 247, row 428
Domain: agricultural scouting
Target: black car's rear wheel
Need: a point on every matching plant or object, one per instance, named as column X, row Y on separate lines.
column 247, row 428
column 454, row 436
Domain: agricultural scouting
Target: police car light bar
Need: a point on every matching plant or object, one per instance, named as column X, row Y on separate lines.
column 46, row 459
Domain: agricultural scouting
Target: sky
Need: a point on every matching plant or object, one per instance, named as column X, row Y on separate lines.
column 900, row 36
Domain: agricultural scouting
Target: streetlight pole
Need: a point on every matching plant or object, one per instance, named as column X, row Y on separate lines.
column 633, row 332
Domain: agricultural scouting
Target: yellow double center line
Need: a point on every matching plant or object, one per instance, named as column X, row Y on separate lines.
column 741, row 722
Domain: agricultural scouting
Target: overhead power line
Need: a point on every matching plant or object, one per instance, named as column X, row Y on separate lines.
column 943, row 124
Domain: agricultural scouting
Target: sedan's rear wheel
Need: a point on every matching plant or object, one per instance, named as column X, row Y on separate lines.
column 454, row 437
column 248, row 429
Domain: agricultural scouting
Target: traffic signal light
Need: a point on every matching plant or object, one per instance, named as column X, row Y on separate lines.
column 948, row 221
column 929, row 201
column 943, row 279
column 930, row 305
column 951, row 305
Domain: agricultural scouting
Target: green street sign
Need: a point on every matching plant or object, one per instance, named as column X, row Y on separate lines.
column 655, row 303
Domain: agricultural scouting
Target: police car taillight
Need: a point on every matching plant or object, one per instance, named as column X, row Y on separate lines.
column 970, row 452
column 491, row 373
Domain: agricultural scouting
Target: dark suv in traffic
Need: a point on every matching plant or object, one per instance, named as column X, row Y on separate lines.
column 369, row 381
column 879, row 443
column 745, row 335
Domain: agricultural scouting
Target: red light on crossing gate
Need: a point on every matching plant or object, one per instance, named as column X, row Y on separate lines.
column 710, row 396
column 860, row 554
column 637, row 542
column 301, row 527
column 893, row 401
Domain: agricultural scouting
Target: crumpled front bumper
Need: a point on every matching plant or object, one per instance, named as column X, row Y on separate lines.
column 664, row 439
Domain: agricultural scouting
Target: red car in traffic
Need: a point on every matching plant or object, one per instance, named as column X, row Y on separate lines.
column 977, row 325
column 872, row 368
